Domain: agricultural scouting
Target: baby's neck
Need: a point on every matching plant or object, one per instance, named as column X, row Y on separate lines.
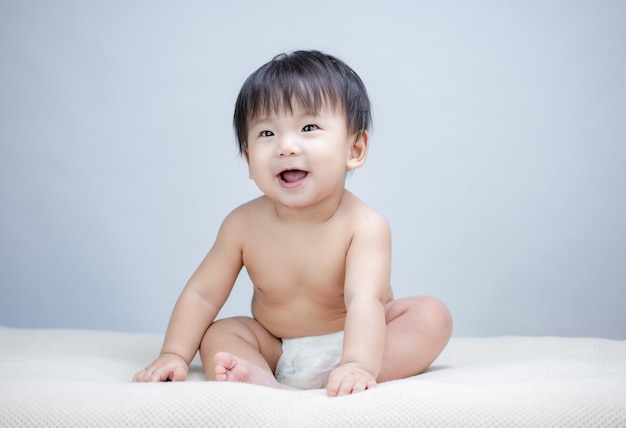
column 317, row 214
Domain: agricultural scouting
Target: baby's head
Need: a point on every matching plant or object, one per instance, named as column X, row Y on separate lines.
column 310, row 78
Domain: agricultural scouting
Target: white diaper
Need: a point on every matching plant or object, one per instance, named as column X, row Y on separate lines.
column 307, row 361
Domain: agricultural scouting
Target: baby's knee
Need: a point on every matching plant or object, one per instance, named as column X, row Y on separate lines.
column 228, row 326
column 431, row 313
column 438, row 316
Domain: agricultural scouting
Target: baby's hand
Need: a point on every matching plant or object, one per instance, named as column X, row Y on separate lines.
column 166, row 367
column 349, row 378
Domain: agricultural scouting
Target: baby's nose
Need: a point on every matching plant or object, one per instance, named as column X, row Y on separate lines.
column 287, row 146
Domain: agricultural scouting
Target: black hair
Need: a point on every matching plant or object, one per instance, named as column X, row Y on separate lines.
column 310, row 78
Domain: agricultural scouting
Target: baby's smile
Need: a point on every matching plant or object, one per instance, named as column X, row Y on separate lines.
column 292, row 177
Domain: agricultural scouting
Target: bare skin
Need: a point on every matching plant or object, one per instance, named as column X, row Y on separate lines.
column 320, row 262
column 230, row 368
column 403, row 316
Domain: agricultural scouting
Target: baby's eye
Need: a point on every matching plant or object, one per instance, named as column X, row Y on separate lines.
column 309, row 128
column 266, row 133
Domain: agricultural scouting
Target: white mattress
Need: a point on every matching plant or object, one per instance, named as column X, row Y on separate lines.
column 82, row 378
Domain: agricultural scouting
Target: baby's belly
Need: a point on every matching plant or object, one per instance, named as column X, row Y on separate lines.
column 298, row 320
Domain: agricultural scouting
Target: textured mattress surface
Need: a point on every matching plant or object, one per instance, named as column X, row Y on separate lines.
column 82, row 378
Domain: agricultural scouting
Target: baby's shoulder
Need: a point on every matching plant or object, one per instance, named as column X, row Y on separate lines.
column 247, row 213
column 254, row 205
column 238, row 225
column 361, row 215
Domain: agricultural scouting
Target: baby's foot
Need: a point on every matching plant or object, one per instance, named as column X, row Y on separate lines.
column 232, row 369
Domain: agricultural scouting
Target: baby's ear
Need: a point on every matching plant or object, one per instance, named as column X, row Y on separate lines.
column 244, row 152
column 246, row 156
column 358, row 150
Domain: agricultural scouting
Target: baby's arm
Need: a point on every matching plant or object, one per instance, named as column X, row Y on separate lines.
column 368, row 271
column 197, row 307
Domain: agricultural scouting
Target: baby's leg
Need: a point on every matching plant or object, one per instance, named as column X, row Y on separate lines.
column 239, row 349
column 418, row 328
column 230, row 368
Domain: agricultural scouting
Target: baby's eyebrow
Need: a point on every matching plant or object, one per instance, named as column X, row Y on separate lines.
column 260, row 121
column 312, row 115
column 267, row 120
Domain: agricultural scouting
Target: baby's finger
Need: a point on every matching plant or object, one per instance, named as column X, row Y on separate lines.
column 371, row 384
column 142, row 376
column 179, row 374
column 161, row 374
column 359, row 386
column 346, row 386
column 332, row 388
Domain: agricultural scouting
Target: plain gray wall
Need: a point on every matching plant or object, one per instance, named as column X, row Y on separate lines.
column 498, row 153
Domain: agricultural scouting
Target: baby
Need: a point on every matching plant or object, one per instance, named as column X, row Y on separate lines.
column 319, row 258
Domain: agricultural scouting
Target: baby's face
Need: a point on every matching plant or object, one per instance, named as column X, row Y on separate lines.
column 299, row 159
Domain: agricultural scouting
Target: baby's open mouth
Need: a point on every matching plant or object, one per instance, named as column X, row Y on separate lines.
column 292, row 175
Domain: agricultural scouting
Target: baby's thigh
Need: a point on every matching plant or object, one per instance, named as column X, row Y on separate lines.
column 420, row 310
column 240, row 335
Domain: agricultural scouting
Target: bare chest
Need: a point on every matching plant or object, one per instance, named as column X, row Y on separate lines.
column 285, row 263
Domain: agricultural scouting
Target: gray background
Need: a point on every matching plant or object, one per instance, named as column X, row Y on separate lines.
column 498, row 153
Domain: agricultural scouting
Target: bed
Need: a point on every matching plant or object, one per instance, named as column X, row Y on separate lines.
column 82, row 378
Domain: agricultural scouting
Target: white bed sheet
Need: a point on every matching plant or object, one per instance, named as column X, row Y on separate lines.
column 82, row 378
